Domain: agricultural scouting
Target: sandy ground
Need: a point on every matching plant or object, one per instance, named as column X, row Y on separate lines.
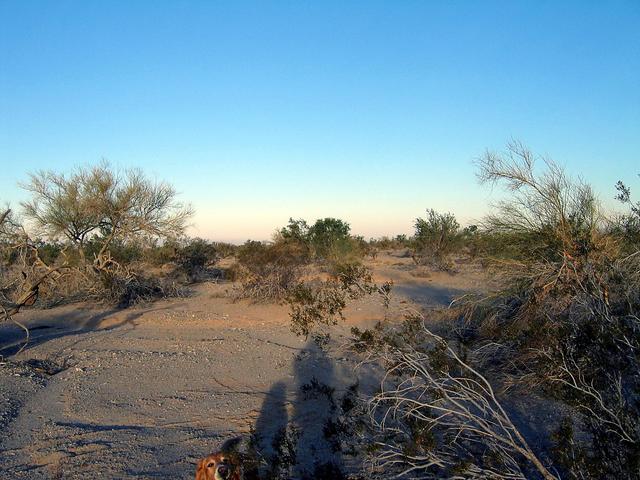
column 145, row 392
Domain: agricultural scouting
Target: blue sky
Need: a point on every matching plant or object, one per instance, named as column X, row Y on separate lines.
column 367, row 111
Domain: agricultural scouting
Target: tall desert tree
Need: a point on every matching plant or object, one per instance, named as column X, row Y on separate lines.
column 100, row 203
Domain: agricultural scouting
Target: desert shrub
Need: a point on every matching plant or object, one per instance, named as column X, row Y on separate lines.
column 566, row 320
column 8, row 255
column 120, row 251
column 330, row 239
column 312, row 306
column 627, row 226
column 435, row 415
column 224, row 249
column 24, row 276
column 103, row 219
column 127, row 288
column 49, row 252
column 563, row 329
column 269, row 271
column 401, row 240
column 254, row 254
column 435, row 238
column 383, row 243
column 296, row 236
column 390, row 243
column 101, row 209
column 360, row 247
column 194, row 256
column 295, row 230
column 272, row 283
column 161, row 253
column 10, row 237
column 234, row 272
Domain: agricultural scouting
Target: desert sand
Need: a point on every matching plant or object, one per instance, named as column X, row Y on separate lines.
column 146, row 391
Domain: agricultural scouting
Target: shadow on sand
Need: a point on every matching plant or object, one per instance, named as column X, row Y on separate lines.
column 292, row 434
column 44, row 328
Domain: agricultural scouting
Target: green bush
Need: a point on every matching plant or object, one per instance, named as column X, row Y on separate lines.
column 122, row 252
column 194, row 256
column 224, row 249
column 161, row 253
column 330, row 239
column 436, row 237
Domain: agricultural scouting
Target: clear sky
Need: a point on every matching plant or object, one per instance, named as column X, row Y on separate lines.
column 367, row 111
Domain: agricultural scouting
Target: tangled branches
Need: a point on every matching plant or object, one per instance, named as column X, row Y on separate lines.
column 436, row 415
column 21, row 290
column 447, row 412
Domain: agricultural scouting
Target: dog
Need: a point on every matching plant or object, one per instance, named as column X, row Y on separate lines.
column 219, row 466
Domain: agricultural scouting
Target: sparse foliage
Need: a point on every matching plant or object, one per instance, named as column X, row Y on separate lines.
column 435, row 237
column 548, row 214
column 107, row 214
column 566, row 322
column 101, row 204
column 270, row 270
column 628, row 224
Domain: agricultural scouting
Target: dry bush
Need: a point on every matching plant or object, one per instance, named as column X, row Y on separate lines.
column 104, row 221
column 387, row 243
column 567, row 323
column 224, row 249
column 269, row 271
column 271, row 284
column 564, row 328
column 435, row 416
column 24, row 276
column 159, row 253
column 126, row 289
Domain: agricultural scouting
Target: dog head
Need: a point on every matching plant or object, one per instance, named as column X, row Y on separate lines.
column 218, row 466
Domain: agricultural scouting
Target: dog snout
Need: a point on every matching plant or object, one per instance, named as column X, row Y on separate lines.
column 223, row 471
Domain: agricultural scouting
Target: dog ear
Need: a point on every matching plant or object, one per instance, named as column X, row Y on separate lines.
column 201, row 471
column 231, row 445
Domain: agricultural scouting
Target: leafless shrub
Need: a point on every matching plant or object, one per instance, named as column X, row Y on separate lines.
column 439, row 417
column 436, row 415
column 273, row 283
column 23, row 275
